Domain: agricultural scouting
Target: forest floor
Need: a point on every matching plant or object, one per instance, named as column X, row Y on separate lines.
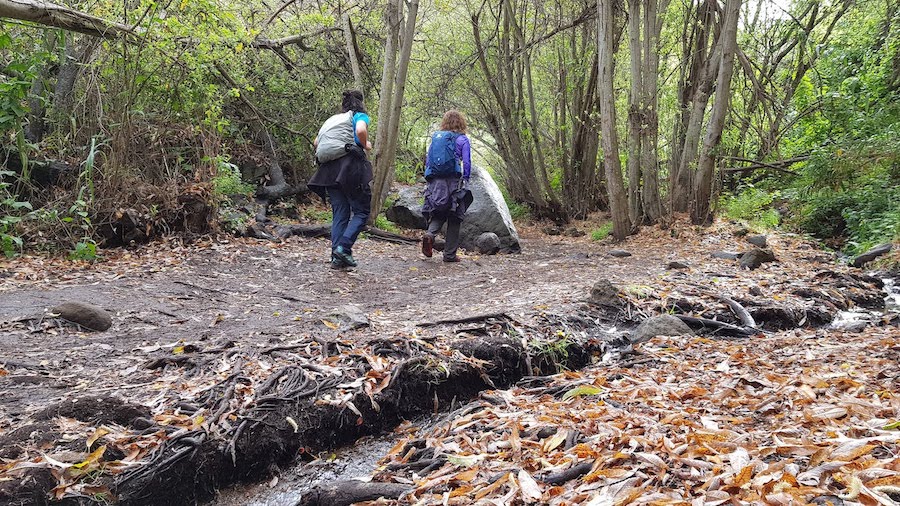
column 227, row 358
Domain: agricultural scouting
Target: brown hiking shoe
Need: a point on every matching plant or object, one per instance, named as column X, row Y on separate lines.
column 428, row 245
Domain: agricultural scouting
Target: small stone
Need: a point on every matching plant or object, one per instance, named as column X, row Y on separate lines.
column 87, row 315
column 619, row 253
column 755, row 258
column 574, row 232
column 350, row 316
column 872, row 254
column 725, row 255
column 553, row 231
column 676, row 265
column 488, row 243
column 662, row 325
column 759, row 241
column 605, row 293
column 741, row 231
column 756, row 291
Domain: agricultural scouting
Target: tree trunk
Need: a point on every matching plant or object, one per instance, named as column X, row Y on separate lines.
column 635, row 110
column 650, row 139
column 706, row 165
column 618, row 201
column 350, row 42
column 58, row 16
column 392, row 20
column 385, row 162
column 77, row 55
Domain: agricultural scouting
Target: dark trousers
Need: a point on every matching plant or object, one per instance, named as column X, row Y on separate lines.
column 452, row 236
column 349, row 214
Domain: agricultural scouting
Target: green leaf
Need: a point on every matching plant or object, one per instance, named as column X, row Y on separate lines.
column 464, row 460
column 892, row 425
column 582, row 390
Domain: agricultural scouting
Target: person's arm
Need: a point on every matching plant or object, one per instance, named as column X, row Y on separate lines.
column 466, row 157
column 362, row 133
column 316, row 142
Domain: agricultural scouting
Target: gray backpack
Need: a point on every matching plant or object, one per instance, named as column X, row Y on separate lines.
column 336, row 133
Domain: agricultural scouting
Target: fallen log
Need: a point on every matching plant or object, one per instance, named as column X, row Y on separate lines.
column 576, row 471
column 465, row 319
column 346, row 492
column 716, row 327
column 739, row 311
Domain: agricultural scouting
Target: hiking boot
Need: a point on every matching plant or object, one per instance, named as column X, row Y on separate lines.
column 345, row 257
column 428, row 245
column 451, row 260
column 336, row 264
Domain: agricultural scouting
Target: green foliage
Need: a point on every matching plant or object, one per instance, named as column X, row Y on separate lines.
column 752, row 205
column 227, row 180
column 602, row 232
column 11, row 212
column 386, row 225
column 317, row 215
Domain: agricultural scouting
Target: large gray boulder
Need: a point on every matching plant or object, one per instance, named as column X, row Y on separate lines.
column 406, row 211
column 488, row 213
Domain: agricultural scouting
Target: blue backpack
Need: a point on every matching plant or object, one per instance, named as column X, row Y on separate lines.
column 442, row 161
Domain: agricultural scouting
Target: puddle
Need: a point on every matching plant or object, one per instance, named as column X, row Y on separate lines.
column 357, row 461
column 857, row 319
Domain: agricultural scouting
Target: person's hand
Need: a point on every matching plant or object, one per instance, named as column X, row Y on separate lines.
column 464, row 184
column 368, row 146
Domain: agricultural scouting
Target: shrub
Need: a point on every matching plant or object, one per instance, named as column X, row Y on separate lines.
column 752, row 205
column 385, row 224
column 598, row 234
column 228, row 180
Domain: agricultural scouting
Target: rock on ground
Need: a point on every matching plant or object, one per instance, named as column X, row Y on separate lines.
column 605, row 293
column 662, row 325
column 619, row 253
column 488, row 243
column 488, row 213
column 756, row 257
column 760, row 241
column 872, row 254
column 349, row 316
column 725, row 255
column 676, row 265
column 87, row 315
column 406, row 211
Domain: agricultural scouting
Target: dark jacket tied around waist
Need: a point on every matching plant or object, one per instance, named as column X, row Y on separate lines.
column 351, row 173
column 444, row 197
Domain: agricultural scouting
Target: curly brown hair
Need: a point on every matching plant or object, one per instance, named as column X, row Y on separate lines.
column 454, row 121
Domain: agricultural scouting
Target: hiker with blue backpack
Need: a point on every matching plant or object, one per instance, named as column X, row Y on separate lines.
column 345, row 175
column 447, row 194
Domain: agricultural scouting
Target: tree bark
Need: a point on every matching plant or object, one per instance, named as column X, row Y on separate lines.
column 385, row 163
column 392, row 15
column 706, row 165
column 350, row 42
column 58, row 16
column 635, row 113
column 618, row 201
column 650, row 139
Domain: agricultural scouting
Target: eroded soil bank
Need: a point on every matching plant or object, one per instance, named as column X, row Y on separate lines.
column 228, row 360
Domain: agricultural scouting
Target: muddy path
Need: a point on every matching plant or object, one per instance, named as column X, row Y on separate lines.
column 227, row 360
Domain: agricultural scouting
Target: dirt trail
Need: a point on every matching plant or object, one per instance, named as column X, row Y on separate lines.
column 258, row 294
column 228, row 345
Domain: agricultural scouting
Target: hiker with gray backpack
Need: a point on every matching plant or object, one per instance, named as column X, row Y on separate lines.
column 448, row 165
column 344, row 175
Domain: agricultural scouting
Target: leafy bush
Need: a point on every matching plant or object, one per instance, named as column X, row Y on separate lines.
column 598, row 234
column 228, row 180
column 11, row 210
column 752, row 205
column 385, row 224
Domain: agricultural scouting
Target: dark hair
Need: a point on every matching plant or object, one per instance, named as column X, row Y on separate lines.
column 352, row 100
column 454, row 121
